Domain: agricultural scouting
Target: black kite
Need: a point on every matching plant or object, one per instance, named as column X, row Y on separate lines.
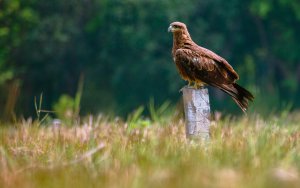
column 201, row 66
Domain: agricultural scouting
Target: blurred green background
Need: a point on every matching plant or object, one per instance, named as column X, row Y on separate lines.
column 116, row 55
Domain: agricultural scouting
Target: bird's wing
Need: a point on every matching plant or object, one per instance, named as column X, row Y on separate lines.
column 224, row 67
column 199, row 66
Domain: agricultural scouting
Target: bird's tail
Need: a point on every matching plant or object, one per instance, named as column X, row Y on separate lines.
column 239, row 94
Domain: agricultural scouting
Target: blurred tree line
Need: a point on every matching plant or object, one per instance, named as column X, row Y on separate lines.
column 122, row 51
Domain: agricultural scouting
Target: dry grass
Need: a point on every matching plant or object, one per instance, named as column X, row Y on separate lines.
column 246, row 152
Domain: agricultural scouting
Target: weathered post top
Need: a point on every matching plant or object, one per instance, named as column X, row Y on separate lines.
column 197, row 113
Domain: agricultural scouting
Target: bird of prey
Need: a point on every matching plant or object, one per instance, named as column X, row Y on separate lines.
column 201, row 66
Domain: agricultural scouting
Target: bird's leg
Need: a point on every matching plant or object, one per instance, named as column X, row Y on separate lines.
column 190, row 83
column 195, row 85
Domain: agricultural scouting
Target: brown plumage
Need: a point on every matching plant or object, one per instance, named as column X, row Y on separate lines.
column 201, row 66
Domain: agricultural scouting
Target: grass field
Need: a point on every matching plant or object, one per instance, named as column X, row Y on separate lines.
column 106, row 152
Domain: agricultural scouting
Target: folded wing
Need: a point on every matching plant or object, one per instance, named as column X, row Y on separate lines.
column 204, row 67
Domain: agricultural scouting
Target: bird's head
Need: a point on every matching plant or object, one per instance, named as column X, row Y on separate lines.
column 177, row 27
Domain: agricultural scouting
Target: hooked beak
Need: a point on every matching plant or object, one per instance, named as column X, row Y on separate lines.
column 170, row 29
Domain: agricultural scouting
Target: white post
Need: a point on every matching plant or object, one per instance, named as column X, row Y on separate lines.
column 197, row 113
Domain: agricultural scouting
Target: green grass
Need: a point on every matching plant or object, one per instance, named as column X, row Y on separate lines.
column 243, row 152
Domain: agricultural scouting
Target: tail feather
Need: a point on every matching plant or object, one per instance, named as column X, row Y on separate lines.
column 239, row 94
